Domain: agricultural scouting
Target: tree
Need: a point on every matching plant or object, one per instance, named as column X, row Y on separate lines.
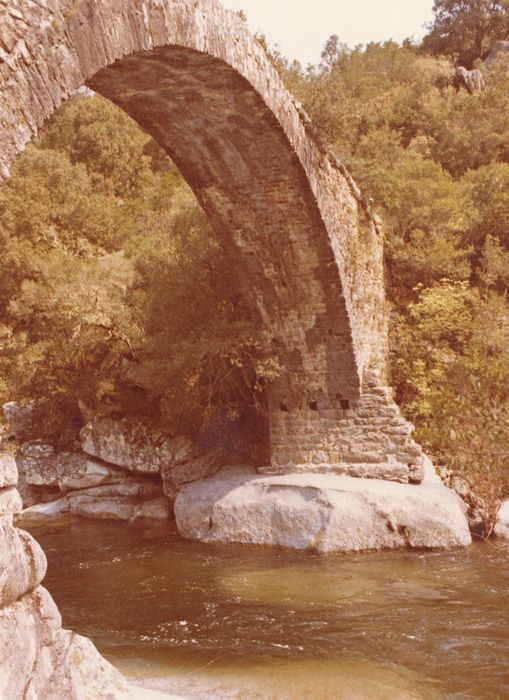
column 467, row 28
column 332, row 52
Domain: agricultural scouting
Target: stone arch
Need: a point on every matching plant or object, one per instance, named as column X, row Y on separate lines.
column 306, row 251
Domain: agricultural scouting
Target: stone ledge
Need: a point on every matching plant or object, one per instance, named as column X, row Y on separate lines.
column 320, row 512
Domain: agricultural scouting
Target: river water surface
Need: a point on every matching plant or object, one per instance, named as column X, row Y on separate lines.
column 212, row 621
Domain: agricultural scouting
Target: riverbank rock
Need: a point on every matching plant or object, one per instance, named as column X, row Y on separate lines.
column 502, row 524
column 320, row 512
column 42, row 661
column 194, row 468
column 117, row 507
column 20, row 418
column 76, row 470
column 127, row 444
column 37, row 462
column 477, row 510
column 8, row 471
column 133, row 446
column 22, row 564
column 40, row 511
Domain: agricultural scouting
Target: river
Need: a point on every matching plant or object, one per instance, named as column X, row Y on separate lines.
column 213, row 621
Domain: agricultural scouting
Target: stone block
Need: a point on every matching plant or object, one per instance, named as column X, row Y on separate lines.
column 132, row 445
column 320, row 512
column 8, row 471
column 37, row 463
column 76, row 470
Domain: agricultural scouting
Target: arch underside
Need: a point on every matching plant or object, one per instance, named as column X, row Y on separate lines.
column 237, row 159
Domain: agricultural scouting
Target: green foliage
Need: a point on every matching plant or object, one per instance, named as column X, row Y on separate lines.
column 467, row 29
column 115, row 294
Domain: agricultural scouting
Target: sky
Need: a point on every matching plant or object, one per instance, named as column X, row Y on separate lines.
column 300, row 28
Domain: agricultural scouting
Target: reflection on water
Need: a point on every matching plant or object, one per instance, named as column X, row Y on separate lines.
column 212, row 621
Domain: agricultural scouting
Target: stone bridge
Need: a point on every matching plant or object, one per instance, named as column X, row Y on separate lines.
column 302, row 245
column 303, row 249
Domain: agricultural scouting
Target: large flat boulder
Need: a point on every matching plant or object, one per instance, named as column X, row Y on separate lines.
column 320, row 512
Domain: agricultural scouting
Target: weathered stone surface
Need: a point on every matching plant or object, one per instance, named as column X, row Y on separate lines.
column 37, row 463
column 41, row 661
column 127, row 488
column 113, row 508
column 320, row 512
column 502, row 524
column 41, row 511
column 470, row 80
column 20, row 418
column 75, row 470
column 10, row 501
column 156, row 509
column 118, row 507
column 178, row 473
column 8, row 471
column 22, row 565
column 477, row 509
column 127, row 444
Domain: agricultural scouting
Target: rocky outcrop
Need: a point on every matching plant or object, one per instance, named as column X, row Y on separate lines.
column 75, row 470
column 37, row 463
column 41, row 661
column 38, row 659
column 20, row 419
column 470, row 80
column 320, row 512
column 119, row 507
column 498, row 53
column 91, row 488
column 127, row 444
column 133, row 446
column 502, row 524
column 477, row 509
